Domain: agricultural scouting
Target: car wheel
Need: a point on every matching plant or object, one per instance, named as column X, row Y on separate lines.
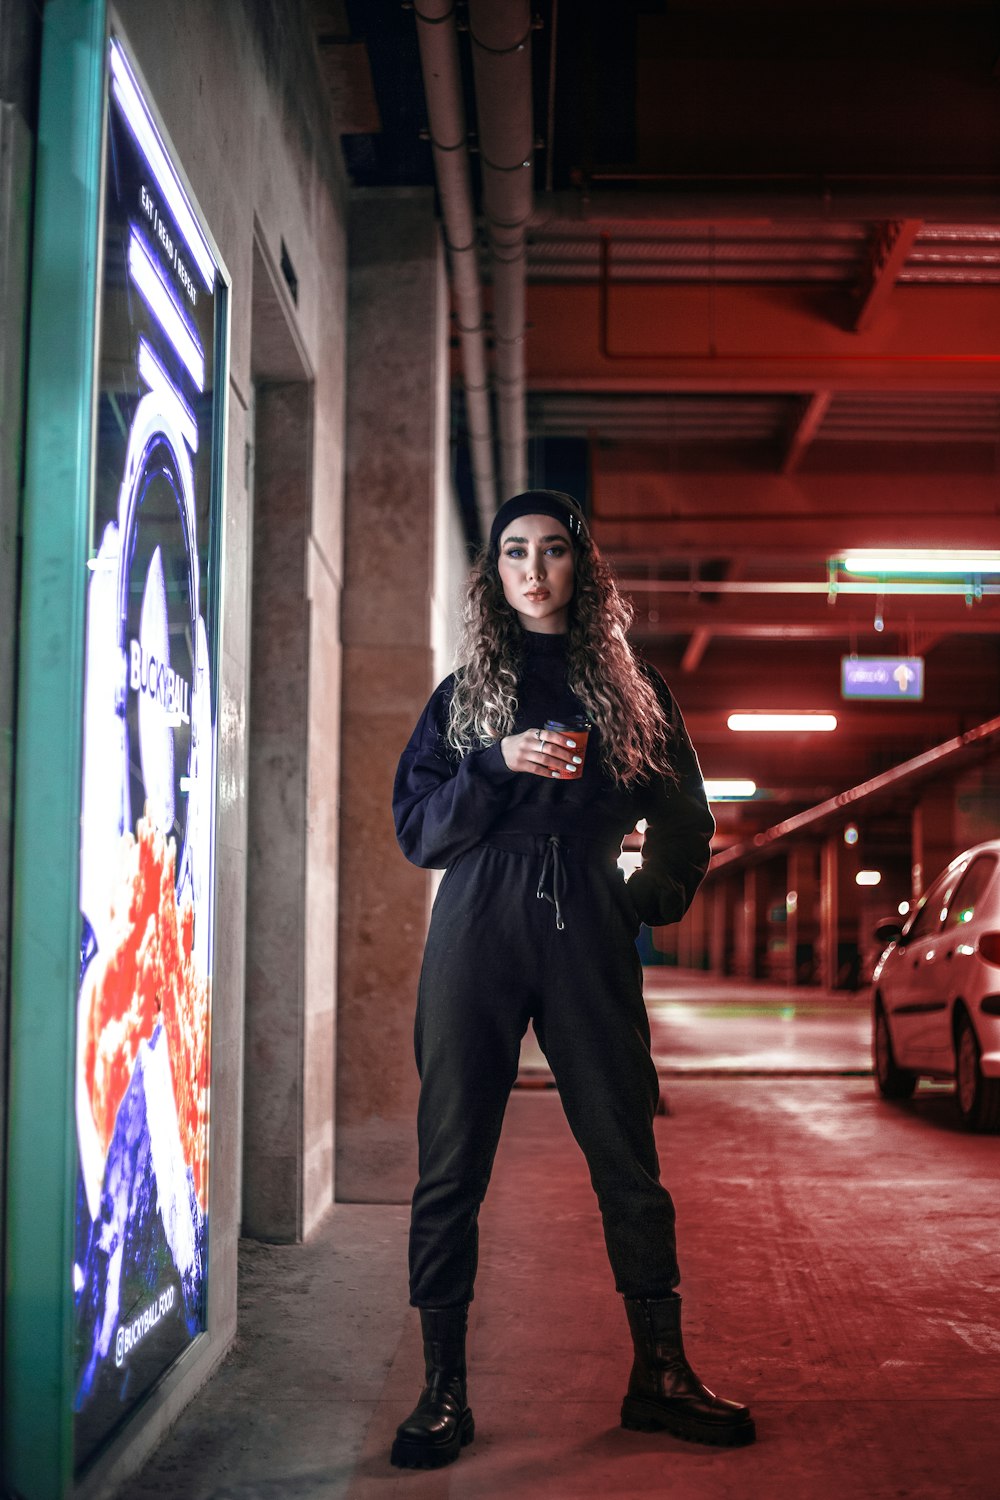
column 891, row 1081
column 978, row 1097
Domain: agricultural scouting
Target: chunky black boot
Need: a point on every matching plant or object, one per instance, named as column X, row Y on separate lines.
column 664, row 1393
column 440, row 1424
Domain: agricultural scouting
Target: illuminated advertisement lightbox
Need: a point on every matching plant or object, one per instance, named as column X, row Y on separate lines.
column 142, row 1085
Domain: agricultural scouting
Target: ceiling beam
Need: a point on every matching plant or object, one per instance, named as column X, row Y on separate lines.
column 695, row 649
column 924, row 641
column 889, row 253
column 641, row 509
column 701, row 636
column 824, row 198
column 737, row 337
column 634, row 538
column 805, row 428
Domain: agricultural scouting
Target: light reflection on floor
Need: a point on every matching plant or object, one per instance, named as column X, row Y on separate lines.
column 700, row 1024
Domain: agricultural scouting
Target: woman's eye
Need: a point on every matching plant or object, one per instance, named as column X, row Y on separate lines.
column 557, row 551
column 514, row 552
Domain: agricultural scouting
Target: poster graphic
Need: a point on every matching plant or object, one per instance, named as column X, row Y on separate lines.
column 148, row 796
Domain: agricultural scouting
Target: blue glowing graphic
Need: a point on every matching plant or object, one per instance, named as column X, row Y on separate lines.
column 164, row 306
column 142, row 1085
column 147, row 137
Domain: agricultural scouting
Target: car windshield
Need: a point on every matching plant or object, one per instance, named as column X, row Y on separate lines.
column 971, row 887
column 931, row 912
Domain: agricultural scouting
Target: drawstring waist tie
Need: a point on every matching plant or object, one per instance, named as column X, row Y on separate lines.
column 552, row 870
column 554, row 849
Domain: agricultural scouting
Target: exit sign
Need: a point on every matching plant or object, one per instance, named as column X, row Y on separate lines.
column 882, row 677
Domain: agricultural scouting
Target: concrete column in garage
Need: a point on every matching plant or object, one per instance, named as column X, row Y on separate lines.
column 685, row 943
column 933, row 833
column 802, row 902
column 697, row 942
column 722, row 894
column 666, row 940
column 751, row 927
column 839, row 913
column 396, row 466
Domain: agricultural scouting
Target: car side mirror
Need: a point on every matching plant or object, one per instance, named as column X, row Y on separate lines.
column 889, row 931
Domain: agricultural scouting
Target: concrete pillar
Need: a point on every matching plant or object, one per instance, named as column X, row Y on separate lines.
column 772, row 956
column 396, row 466
column 695, row 921
column 751, row 929
column 666, row 940
column 839, row 913
column 723, row 925
column 685, row 943
column 934, row 841
column 715, row 898
column 802, row 901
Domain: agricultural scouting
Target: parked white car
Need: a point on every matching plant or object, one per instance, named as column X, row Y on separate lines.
column 936, row 990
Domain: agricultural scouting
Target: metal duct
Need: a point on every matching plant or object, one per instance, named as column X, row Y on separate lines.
column 438, row 42
column 501, row 57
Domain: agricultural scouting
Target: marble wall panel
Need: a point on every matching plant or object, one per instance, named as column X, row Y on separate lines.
column 328, row 509
column 277, row 792
column 383, row 918
column 395, row 334
column 318, row 1136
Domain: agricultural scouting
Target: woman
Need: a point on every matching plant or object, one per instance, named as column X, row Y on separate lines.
column 512, row 811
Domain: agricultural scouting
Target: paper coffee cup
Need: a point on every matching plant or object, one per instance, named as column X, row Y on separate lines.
column 577, row 730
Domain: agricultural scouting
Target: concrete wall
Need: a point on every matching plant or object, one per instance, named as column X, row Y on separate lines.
column 238, row 87
column 401, row 558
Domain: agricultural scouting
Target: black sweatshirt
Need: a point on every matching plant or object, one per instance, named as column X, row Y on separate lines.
column 444, row 804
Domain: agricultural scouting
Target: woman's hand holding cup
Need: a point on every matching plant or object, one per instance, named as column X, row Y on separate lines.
column 545, row 752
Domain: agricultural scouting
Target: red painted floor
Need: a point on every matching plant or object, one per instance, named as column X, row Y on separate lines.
column 840, row 1275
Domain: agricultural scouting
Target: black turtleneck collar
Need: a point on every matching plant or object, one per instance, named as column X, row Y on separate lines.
column 540, row 643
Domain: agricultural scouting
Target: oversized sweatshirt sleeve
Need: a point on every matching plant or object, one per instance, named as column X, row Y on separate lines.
column 443, row 805
column 679, row 826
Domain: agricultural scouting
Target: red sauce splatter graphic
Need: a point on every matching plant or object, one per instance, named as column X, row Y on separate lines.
column 146, row 973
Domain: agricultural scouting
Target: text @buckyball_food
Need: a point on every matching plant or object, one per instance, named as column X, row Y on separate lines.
column 129, row 1334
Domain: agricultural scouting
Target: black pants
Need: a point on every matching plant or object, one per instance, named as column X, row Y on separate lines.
column 494, row 960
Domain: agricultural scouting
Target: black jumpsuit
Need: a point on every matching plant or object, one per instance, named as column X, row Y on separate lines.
column 495, row 959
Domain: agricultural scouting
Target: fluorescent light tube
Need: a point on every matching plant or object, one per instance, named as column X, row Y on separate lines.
column 721, row 791
column 921, row 560
column 777, row 722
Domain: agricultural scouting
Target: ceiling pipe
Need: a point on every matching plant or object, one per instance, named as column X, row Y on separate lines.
column 501, row 56
column 437, row 38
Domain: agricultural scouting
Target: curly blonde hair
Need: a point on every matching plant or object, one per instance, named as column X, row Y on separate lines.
column 603, row 671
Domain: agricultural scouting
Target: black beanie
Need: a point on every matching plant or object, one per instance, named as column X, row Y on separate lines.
column 537, row 503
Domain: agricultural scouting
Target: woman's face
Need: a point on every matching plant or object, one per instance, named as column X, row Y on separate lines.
column 537, row 572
